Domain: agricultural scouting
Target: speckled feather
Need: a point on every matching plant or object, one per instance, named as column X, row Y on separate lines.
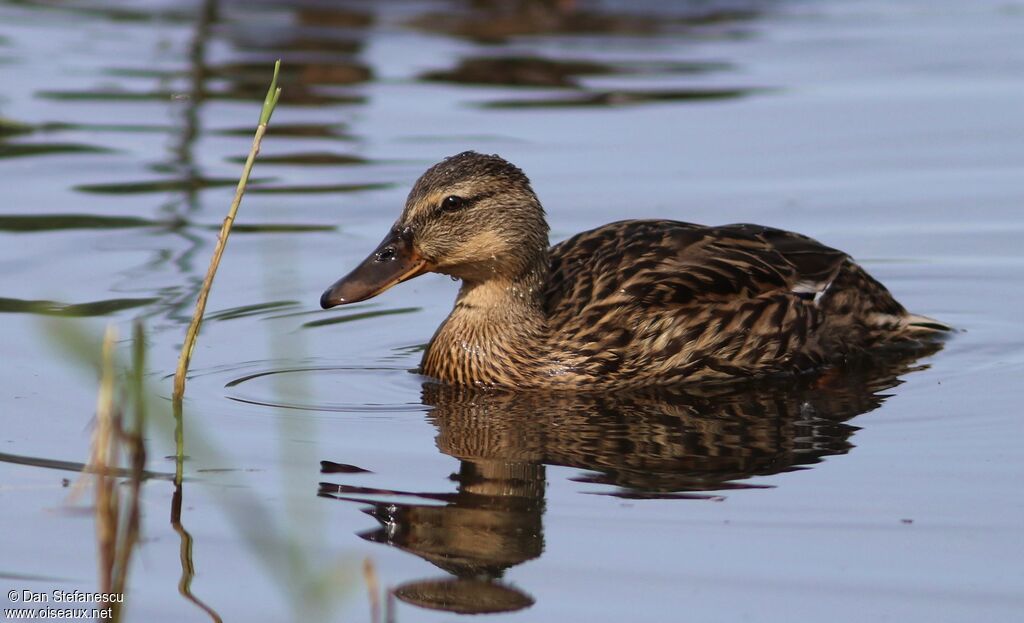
column 633, row 303
column 661, row 302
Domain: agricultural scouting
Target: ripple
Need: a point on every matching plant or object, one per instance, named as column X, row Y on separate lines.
column 368, row 389
column 538, row 71
column 624, row 98
column 21, row 150
column 53, row 308
column 159, row 186
column 307, row 158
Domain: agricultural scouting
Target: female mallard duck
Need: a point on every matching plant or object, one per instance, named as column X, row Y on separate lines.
column 631, row 303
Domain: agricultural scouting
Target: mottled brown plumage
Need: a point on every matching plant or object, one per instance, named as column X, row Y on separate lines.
column 632, row 303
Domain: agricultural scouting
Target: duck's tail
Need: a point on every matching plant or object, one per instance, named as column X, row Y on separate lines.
column 923, row 326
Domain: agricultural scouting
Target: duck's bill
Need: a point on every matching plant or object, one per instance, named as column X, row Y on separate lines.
column 394, row 261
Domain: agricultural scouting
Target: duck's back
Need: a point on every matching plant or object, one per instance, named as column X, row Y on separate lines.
column 670, row 301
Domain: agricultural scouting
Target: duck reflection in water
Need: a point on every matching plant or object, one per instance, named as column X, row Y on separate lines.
column 682, row 443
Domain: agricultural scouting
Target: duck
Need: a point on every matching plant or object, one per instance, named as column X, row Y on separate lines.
column 634, row 303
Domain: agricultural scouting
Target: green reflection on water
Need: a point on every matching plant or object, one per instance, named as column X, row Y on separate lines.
column 10, row 127
column 250, row 310
column 327, row 188
column 621, row 98
column 239, row 93
column 360, row 316
column 29, row 223
column 20, row 150
column 154, row 186
column 294, row 130
column 53, row 308
column 274, row 228
column 52, row 222
column 307, row 158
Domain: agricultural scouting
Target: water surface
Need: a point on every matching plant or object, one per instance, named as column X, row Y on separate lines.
column 890, row 130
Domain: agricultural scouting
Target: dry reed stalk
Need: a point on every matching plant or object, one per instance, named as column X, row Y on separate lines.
column 373, row 588
column 117, row 520
column 127, row 527
column 102, row 457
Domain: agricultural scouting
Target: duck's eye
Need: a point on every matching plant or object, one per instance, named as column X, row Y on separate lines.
column 452, row 203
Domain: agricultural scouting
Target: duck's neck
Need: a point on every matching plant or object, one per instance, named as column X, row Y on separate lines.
column 495, row 334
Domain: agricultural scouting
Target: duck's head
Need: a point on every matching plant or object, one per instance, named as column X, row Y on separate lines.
column 470, row 216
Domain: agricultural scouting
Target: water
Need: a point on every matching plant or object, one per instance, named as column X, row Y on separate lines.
column 889, row 130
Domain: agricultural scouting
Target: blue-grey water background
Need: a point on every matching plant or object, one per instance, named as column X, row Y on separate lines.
column 892, row 130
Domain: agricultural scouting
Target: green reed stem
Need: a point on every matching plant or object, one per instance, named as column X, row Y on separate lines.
column 269, row 103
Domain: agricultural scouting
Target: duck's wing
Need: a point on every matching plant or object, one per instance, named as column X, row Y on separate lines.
column 816, row 265
column 672, row 264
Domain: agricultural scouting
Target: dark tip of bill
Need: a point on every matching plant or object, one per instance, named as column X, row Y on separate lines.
column 325, row 300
